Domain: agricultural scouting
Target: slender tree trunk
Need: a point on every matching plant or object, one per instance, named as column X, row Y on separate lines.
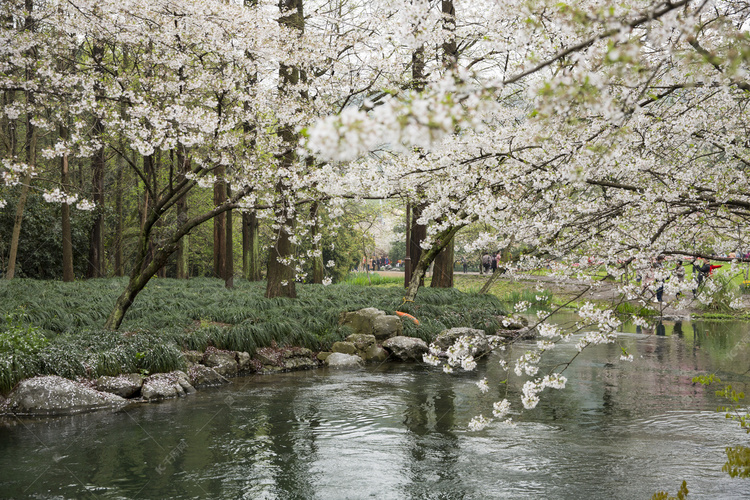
column 250, row 247
column 119, row 214
column 67, row 240
column 220, row 226
column 31, row 138
column 229, row 276
column 318, row 271
column 183, row 246
column 96, row 243
column 417, row 234
column 16, row 235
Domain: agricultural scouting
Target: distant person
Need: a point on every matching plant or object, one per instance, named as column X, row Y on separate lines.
column 493, row 262
column 465, row 264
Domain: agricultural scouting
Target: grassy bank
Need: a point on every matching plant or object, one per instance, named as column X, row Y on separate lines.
column 56, row 328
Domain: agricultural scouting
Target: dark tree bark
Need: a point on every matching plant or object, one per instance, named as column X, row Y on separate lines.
column 318, row 271
column 183, row 269
column 251, row 265
column 67, row 240
column 96, row 241
column 220, row 226
column 442, row 271
column 281, row 275
column 229, row 258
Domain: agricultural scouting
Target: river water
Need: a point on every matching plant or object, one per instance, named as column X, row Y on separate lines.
column 399, row 431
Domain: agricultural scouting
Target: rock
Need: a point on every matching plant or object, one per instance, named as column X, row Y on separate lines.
column 449, row 337
column 267, row 356
column 513, row 322
column 323, row 355
column 341, row 360
column 406, row 348
column 296, row 352
column 192, row 356
column 299, row 363
column 361, row 321
column 126, row 386
column 361, row 341
column 203, row 376
column 344, row 347
column 375, row 354
column 244, row 362
column 223, row 362
column 166, row 385
column 53, row 395
column 184, row 381
column 385, row 327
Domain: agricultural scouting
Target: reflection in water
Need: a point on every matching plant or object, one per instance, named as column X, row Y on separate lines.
column 619, row 430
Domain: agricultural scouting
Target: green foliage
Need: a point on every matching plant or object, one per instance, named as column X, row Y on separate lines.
column 531, row 296
column 723, row 289
column 60, row 332
column 738, row 462
column 681, row 494
column 40, row 243
column 367, row 279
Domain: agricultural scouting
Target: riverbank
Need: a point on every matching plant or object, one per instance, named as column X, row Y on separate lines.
column 54, row 328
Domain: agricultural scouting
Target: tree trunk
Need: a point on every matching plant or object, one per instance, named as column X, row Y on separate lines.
column 16, row 235
column 318, row 271
column 31, row 138
column 440, row 241
column 280, row 273
column 442, row 272
column 67, row 240
column 183, row 246
column 220, row 226
column 119, row 215
column 229, row 275
column 251, row 265
column 96, row 243
column 417, row 233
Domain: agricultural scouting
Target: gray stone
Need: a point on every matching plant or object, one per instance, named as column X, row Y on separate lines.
column 449, row 337
column 244, row 362
column 341, row 360
column 299, row 363
column 223, row 362
column 513, row 322
column 406, row 348
column 269, row 357
column 53, row 395
column 375, row 354
column 166, row 385
column 203, row 376
column 361, row 321
column 361, row 341
column 125, row 385
column 385, row 327
column 344, row 347
column 322, row 355
column 297, row 352
column 192, row 356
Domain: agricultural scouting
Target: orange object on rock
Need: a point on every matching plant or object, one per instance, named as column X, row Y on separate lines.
column 405, row 315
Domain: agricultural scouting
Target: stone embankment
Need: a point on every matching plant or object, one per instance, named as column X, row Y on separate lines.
column 376, row 338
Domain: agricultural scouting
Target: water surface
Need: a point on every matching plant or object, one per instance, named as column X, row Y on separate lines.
column 619, row 430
